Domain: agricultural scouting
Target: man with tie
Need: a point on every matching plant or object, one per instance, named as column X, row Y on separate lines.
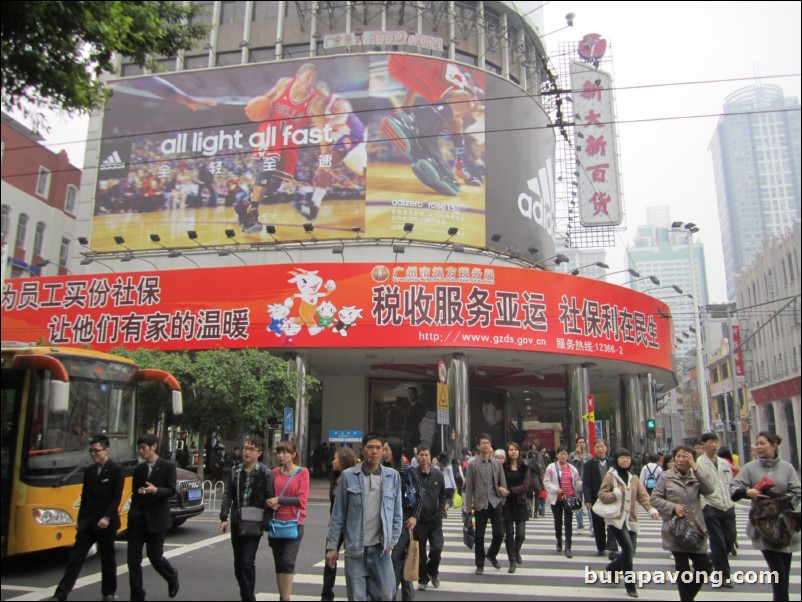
column 98, row 520
column 149, row 517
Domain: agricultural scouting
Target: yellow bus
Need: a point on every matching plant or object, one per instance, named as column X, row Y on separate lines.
column 53, row 401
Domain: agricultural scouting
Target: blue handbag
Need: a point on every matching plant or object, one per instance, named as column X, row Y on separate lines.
column 284, row 529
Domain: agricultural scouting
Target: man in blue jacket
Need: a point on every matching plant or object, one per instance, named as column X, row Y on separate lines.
column 367, row 510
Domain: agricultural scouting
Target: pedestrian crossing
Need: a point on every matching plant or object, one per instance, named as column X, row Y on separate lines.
column 546, row 574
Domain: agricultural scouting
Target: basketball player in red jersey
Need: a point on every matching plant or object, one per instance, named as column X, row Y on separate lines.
column 292, row 103
column 414, row 130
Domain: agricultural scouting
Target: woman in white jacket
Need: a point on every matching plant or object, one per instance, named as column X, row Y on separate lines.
column 562, row 481
column 619, row 485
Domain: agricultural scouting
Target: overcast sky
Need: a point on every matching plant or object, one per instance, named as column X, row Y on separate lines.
column 668, row 162
column 663, row 162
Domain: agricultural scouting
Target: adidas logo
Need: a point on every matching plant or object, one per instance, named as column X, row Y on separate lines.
column 113, row 161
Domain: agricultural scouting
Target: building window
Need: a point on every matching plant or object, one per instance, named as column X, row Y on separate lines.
column 262, row 55
column 196, row 62
column 205, row 17
column 232, row 13
column 72, row 197
column 224, row 59
column 6, row 224
column 39, row 239
column 43, row 183
column 64, row 252
column 130, row 69
column 22, row 231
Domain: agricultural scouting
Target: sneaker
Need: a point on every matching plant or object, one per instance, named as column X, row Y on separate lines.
column 568, row 553
column 462, row 172
column 252, row 228
column 421, row 586
column 480, row 570
column 435, row 582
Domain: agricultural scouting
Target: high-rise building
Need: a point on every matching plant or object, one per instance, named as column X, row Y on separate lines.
column 662, row 253
column 756, row 162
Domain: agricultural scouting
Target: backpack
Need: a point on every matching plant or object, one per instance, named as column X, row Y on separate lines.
column 651, row 480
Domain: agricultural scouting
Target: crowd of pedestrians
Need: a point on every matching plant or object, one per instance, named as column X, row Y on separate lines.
column 389, row 497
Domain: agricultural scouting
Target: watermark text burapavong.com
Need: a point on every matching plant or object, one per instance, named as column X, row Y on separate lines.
column 660, row 577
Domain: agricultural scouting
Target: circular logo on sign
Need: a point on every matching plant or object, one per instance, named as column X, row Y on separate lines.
column 380, row 273
column 592, row 47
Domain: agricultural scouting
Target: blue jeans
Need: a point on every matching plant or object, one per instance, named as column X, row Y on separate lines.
column 370, row 576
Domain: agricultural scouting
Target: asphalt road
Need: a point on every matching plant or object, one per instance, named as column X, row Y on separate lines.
column 204, row 560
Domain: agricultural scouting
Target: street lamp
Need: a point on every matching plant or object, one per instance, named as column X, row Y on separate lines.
column 701, row 385
column 677, row 289
column 558, row 259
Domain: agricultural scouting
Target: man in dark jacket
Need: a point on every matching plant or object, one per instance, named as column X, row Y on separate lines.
column 594, row 471
column 149, row 517
column 429, row 526
column 98, row 520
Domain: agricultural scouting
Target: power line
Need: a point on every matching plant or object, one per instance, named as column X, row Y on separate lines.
column 514, row 97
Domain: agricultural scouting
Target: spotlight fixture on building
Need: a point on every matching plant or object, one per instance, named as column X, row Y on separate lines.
column 193, row 236
column 130, row 256
column 408, row 227
column 227, row 252
column 495, row 237
column 90, row 261
column 677, row 289
column 231, row 234
column 631, row 271
column 452, row 232
column 455, row 247
column 121, row 242
column 175, row 253
column 43, row 263
column 271, row 232
column 558, row 259
column 654, row 279
column 156, row 239
column 597, row 264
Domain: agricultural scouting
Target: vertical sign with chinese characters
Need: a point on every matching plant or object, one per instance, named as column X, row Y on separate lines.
column 598, row 188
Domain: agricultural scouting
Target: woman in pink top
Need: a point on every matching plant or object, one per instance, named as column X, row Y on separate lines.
column 562, row 481
column 292, row 486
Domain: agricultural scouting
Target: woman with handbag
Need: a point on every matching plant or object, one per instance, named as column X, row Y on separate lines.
column 784, row 480
column 563, row 484
column 516, row 511
column 412, row 505
column 287, row 526
column 677, row 496
column 623, row 491
column 247, row 492
column 343, row 460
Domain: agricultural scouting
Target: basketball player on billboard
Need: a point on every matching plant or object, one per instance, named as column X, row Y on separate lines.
column 415, row 130
column 292, row 105
column 348, row 148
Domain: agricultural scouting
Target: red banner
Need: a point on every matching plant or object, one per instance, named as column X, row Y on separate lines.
column 342, row 305
column 739, row 356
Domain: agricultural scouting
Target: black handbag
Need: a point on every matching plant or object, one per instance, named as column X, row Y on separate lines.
column 573, row 502
column 685, row 533
column 250, row 518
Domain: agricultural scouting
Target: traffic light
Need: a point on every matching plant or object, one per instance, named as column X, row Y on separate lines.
column 651, row 428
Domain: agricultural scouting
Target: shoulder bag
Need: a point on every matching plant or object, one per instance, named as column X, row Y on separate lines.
column 285, row 529
column 250, row 518
column 607, row 510
column 685, row 532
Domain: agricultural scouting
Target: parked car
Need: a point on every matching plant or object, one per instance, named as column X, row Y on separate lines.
column 188, row 501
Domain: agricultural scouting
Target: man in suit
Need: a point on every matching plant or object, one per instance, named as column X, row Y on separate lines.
column 594, row 471
column 98, row 520
column 485, row 490
column 149, row 517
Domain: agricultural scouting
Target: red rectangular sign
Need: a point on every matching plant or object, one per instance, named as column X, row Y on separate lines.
column 342, row 305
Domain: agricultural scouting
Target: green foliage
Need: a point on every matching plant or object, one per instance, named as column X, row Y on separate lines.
column 54, row 53
column 225, row 391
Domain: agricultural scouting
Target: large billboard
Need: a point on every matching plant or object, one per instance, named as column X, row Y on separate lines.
column 343, row 306
column 355, row 145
